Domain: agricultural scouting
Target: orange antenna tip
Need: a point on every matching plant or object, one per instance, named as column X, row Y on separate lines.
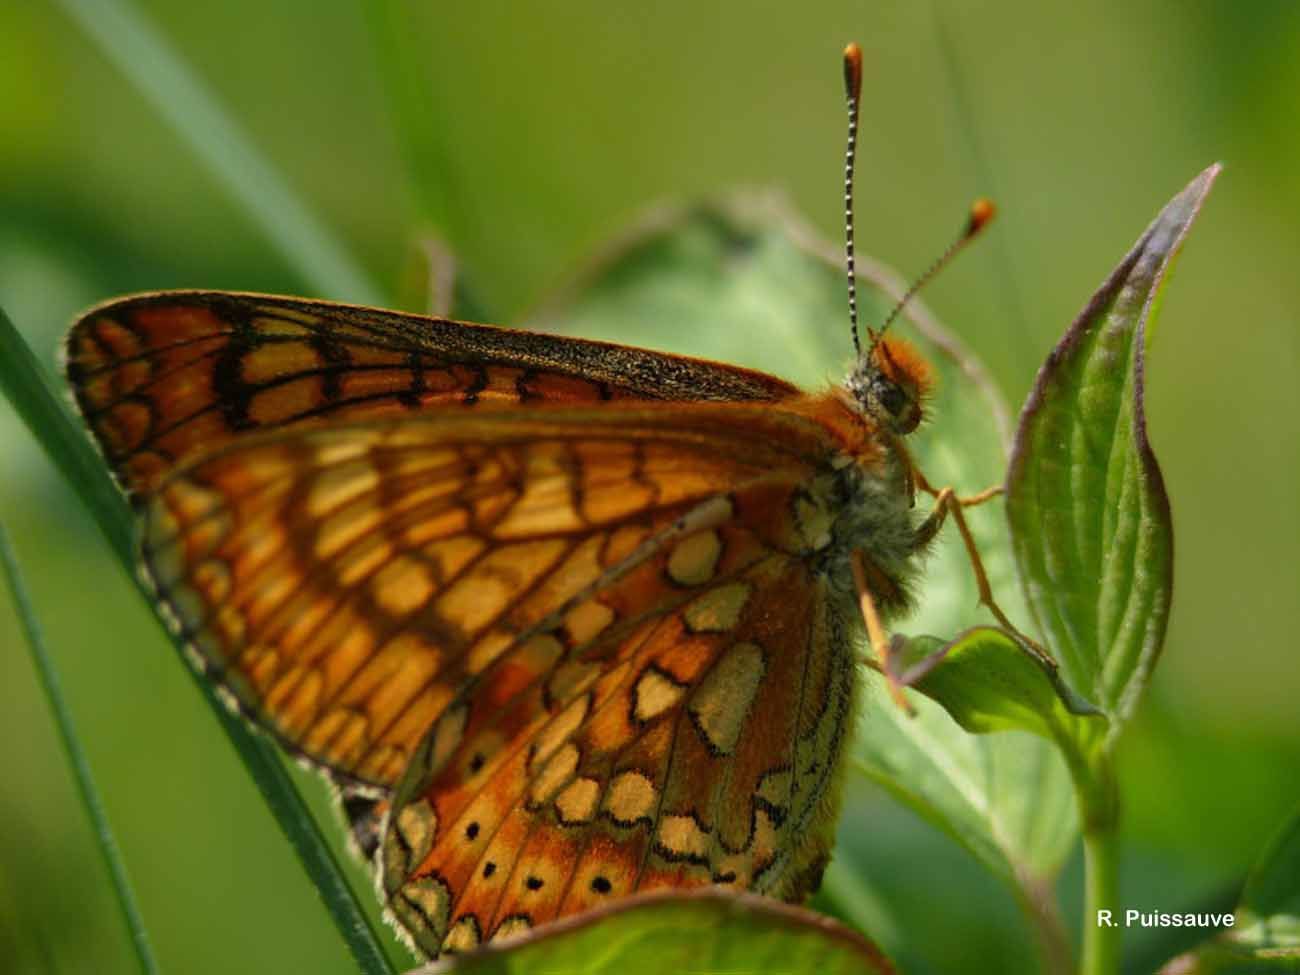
column 853, row 71
column 981, row 212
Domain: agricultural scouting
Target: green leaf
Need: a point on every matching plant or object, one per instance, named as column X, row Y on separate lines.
column 1089, row 517
column 987, row 682
column 75, row 755
column 743, row 281
column 705, row 933
column 1273, row 888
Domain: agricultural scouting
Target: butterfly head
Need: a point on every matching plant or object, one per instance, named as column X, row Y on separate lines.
column 892, row 383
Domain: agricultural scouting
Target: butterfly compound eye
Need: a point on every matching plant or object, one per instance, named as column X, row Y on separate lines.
column 891, row 398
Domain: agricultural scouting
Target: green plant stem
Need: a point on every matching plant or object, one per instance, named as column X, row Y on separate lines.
column 1101, row 942
column 1096, row 790
column 24, row 382
column 77, row 761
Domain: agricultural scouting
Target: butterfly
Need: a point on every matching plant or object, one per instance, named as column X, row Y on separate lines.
column 567, row 620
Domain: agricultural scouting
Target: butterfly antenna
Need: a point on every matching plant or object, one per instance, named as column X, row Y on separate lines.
column 981, row 212
column 853, row 92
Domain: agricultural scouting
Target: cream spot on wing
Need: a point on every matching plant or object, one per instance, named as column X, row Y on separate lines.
column 558, row 730
column 447, row 734
column 557, row 772
column 721, row 703
column 540, row 653
column 275, row 359
column 489, row 647
column 695, row 558
column 353, row 648
column 495, row 581
column 512, row 927
column 436, row 525
column 348, row 447
column 571, row 677
column 767, row 856
column 343, row 528
column 336, row 486
column 301, row 706
column 577, row 803
column 463, row 936
column 402, row 585
column 282, row 688
column 417, row 824
column 409, row 665
column 631, row 797
column 682, row 836
column 546, row 503
column 361, row 562
column 426, row 901
column 323, row 729
column 254, row 548
column 336, row 736
column 452, row 554
column 587, row 620
column 654, row 694
column 717, row 610
column 350, row 741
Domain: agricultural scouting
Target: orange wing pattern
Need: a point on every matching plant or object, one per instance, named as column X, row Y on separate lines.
column 575, row 602
column 161, row 377
column 696, row 747
column 345, row 584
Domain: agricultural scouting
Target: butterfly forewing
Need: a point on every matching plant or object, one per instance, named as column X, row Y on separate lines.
column 345, row 584
column 164, row 376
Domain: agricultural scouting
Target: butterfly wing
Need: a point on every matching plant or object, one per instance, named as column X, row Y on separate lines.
column 697, row 746
column 568, row 614
column 345, row 585
column 161, row 377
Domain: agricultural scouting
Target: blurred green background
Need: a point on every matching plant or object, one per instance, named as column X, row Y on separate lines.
column 548, row 128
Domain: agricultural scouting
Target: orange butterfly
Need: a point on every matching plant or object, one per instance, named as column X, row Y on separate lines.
column 581, row 615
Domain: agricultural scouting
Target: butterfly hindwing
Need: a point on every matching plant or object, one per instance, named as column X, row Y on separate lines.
column 162, row 377
column 694, row 748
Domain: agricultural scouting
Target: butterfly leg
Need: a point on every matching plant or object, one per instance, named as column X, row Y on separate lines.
column 970, row 501
column 880, row 643
column 947, row 503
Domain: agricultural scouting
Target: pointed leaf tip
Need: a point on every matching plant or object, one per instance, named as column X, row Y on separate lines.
column 1086, row 501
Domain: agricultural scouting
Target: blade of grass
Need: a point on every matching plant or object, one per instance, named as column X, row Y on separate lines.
column 23, row 381
column 76, row 757
column 132, row 44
